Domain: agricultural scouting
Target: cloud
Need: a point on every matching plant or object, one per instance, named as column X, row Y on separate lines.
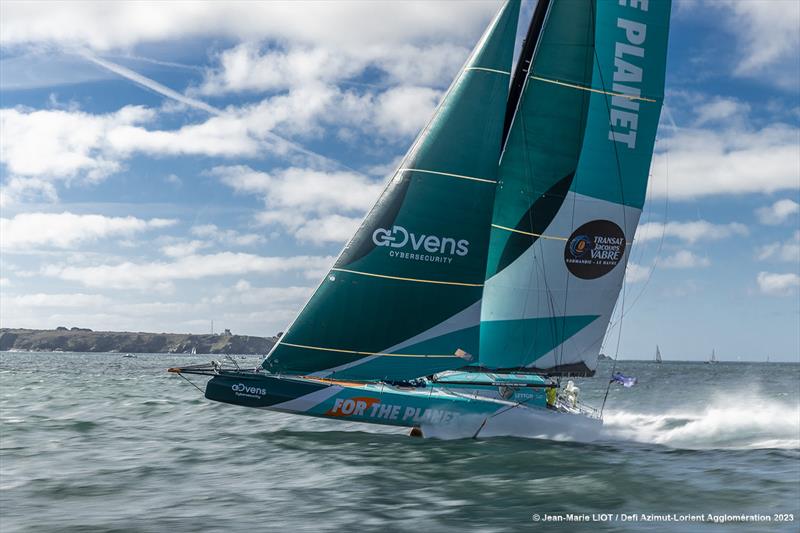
column 185, row 248
column 719, row 149
column 778, row 212
column 402, row 111
column 698, row 162
column 777, row 284
column 75, row 300
column 160, row 275
column 690, row 232
column 63, row 144
column 685, row 259
column 312, row 205
column 788, row 250
column 720, row 109
column 328, row 24
column 66, row 230
column 768, row 39
column 634, row 273
column 330, row 228
column 262, row 67
column 244, row 293
column 41, row 148
column 213, row 233
column 149, row 83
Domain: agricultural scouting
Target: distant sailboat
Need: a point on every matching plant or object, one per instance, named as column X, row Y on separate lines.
column 194, row 350
column 491, row 264
column 658, row 354
column 713, row 359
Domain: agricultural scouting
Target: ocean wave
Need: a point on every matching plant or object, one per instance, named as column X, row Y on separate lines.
column 726, row 422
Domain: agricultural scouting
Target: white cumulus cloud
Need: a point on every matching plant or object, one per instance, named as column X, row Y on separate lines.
column 65, row 230
column 777, row 284
column 788, row 250
column 778, row 213
column 312, row 205
column 160, row 275
column 685, row 259
column 690, row 232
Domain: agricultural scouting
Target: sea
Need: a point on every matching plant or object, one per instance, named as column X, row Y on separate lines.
column 100, row 442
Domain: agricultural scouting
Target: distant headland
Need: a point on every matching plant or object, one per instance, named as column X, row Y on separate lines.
column 76, row 339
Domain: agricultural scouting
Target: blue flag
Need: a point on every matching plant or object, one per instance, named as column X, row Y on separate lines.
column 625, row 381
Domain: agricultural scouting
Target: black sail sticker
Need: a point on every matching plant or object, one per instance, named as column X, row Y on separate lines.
column 594, row 249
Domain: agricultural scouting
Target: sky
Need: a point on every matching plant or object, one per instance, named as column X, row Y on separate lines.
column 164, row 165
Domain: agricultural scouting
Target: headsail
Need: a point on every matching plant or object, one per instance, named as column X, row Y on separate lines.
column 403, row 298
column 572, row 183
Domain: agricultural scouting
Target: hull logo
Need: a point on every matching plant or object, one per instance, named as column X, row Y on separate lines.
column 594, row 249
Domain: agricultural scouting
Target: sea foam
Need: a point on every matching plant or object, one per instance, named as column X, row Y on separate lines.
column 725, row 422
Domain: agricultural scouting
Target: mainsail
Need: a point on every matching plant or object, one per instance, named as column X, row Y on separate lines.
column 403, row 298
column 572, row 183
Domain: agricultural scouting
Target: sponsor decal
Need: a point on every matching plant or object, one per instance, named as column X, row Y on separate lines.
column 594, row 249
column 372, row 408
column 629, row 54
column 240, row 389
column 506, row 392
column 405, row 244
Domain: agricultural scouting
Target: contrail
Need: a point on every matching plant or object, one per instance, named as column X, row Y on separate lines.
column 151, row 84
column 163, row 90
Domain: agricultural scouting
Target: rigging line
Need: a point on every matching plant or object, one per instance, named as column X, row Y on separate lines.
column 624, row 219
column 660, row 242
column 191, row 383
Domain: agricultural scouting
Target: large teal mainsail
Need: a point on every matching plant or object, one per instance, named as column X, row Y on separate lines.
column 403, row 299
column 572, row 183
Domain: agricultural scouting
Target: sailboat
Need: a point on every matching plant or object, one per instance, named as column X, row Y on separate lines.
column 490, row 265
column 713, row 359
column 658, row 355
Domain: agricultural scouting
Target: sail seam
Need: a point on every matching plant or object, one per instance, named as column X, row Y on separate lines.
column 529, row 233
column 489, row 70
column 458, row 283
column 356, row 352
column 460, row 176
column 537, row 234
column 592, row 89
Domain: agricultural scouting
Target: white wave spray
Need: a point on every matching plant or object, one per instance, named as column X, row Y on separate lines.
column 744, row 421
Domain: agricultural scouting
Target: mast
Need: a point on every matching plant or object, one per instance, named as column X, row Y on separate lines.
column 524, row 65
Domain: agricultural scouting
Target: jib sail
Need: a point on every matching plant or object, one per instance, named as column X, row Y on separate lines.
column 572, row 183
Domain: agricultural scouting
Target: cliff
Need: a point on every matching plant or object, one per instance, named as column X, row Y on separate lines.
column 85, row 340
